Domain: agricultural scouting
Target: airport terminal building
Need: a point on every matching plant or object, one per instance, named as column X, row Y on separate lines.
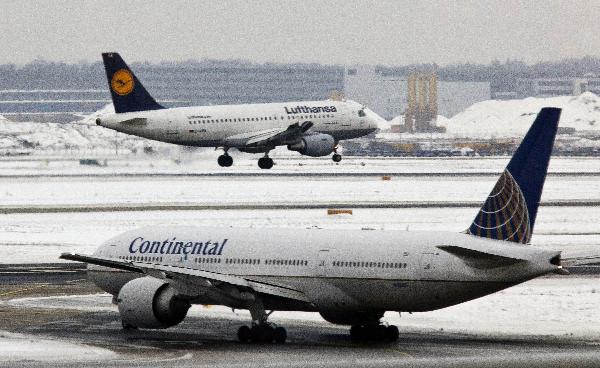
column 388, row 93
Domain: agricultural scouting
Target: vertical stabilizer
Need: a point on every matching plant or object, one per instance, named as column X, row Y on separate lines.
column 128, row 94
column 511, row 208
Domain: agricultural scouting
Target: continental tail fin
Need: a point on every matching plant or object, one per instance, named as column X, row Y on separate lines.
column 511, row 208
column 128, row 94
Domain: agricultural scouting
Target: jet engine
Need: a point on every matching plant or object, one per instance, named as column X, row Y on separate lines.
column 148, row 302
column 314, row 145
column 351, row 317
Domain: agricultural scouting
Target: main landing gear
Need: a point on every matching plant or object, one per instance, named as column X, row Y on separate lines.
column 264, row 333
column 261, row 330
column 336, row 156
column 225, row 160
column 374, row 333
column 265, row 162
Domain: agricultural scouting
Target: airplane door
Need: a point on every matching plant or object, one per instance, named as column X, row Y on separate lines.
column 428, row 264
column 172, row 129
column 323, row 262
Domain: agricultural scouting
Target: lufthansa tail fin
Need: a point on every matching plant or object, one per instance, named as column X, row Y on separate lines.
column 128, row 94
column 510, row 210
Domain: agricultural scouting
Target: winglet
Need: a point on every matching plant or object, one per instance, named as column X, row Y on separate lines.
column 511, row 208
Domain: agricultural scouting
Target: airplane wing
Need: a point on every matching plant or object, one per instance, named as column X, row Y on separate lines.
column 269, row 137
column 186, row 274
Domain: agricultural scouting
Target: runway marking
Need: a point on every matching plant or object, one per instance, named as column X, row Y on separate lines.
column 22, row 290
column 136, row 207
column 403, row 353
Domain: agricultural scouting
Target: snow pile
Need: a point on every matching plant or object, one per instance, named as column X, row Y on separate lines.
column 77, row 135
column 512, row 118
column 57, row 136
column 17, row 347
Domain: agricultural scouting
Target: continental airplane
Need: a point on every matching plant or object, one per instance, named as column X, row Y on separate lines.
column 312, row 128
column 350, row 277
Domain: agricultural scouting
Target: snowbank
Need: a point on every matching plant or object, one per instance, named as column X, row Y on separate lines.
column 512, row 118
column 17, row 347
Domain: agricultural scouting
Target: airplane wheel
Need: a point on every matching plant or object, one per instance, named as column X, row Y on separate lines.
column 357, row 333
column 262, row 333
column 373, row 333
column 336, row 157
column 280, row 335
column 392, row 333
column 244, row 334
column 225, row 161
column 265, row 163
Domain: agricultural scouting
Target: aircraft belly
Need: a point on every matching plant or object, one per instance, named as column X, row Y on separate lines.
column 395, row 295
column 108, row 279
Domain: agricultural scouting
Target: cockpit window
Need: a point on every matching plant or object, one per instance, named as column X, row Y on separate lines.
column 361, row 113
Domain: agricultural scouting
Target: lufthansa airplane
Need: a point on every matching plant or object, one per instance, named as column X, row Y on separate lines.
column 349, row 277
column 312, row 128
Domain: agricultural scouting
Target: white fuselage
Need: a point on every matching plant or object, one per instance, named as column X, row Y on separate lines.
column 335, row 269
column 227, row 125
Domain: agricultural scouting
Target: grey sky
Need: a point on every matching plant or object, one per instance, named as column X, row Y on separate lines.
column 329, row 32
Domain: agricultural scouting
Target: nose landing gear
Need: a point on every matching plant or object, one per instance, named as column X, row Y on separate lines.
column 261, row 331
column 336, row 156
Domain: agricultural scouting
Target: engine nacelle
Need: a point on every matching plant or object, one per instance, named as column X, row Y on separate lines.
column 314, row 145
column 350, row 317
column 148, row 302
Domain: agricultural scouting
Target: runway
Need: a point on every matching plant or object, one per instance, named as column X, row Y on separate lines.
column 132, row 207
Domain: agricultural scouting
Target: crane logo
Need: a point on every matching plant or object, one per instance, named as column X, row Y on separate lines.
column 122, row 82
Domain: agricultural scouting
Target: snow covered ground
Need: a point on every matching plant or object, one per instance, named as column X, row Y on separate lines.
column 40, row 238
column 266, row 190
column 32, row 238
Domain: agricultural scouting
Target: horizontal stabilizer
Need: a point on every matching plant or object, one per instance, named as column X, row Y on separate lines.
column 135, row 121
column 480, row 259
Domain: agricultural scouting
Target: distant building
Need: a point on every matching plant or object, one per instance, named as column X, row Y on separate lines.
column 223, row 84
column 62, row 91
column 387, row 94
column 550, row 87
